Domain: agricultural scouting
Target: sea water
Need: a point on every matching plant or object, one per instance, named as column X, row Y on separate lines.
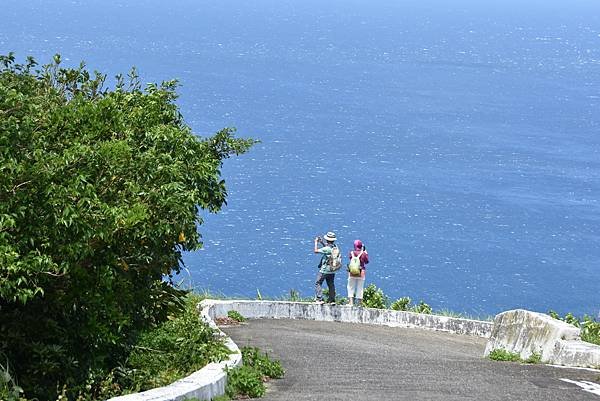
column 458, row 139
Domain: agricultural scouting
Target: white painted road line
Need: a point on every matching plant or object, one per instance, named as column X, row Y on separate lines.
column 590, row 387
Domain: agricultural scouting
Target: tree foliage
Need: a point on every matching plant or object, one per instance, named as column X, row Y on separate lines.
column 100, row 192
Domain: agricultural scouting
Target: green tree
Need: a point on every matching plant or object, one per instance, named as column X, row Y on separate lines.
column 100, row 192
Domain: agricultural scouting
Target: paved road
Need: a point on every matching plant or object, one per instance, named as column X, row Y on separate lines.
column 350, row 362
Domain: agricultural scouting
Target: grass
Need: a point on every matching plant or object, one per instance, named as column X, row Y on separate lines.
column 500, row 354
column 534, row 358
column 503, row 355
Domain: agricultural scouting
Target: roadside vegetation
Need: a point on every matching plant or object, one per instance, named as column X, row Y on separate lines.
column 500, row 354
column 236, row 316
column 100, row 193
column 249, row 379
column 590, row 327
column 171, row 351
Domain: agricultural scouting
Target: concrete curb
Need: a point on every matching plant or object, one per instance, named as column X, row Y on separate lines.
column 576, row 353
column 337, row 313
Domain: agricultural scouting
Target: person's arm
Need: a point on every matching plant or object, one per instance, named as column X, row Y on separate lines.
column 365, row 257
column 316, row 250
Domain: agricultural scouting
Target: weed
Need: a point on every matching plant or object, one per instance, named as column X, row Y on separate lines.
column 535, row 357
column 267, row 367
column 244, row 381
column 9, row 390
column 294, row 295
column 422, row 307
column 401, row 304
column 500, row 354
column 235, row 315
column 248, row 380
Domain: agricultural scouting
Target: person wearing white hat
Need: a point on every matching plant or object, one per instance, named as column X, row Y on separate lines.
column 325, row 273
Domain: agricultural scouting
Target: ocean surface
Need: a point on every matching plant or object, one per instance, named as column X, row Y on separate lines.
column 460, row 140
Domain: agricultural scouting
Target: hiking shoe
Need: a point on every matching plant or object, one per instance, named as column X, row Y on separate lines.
column 319, row 301
column 331, row 303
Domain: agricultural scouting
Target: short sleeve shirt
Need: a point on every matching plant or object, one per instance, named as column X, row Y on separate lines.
column 323, row 266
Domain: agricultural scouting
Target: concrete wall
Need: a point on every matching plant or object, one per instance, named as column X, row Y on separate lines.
column 336, row 313
column 576, row 353
column 524, row 332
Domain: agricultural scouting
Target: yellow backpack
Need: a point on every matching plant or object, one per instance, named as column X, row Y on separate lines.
column 354, row 265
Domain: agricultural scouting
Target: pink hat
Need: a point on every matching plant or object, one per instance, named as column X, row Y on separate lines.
column 357, row 244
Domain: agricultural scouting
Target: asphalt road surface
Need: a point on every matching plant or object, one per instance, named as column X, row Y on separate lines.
column 353, row 362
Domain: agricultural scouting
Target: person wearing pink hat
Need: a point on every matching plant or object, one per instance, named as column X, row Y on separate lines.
column 356, row 279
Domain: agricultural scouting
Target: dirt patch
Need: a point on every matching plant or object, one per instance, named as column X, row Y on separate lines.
column 226, row 321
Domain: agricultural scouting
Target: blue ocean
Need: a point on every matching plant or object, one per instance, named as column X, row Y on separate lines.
column 459, row 140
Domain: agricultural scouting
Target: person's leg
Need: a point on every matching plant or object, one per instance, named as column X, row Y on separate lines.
column 318, row 288
column 331, row 285
column 360, row 283
column 351, row 290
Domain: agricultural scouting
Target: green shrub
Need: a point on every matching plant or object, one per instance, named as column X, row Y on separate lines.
column 267, row 367
column 374, row 297
column 248, row 380
column 173, row 350
column 422, row 307
column 235, row 315
column 500, row 354
column 590, row 327
column 590, row 330
column 99, row 196
column 535, row 357
column 244, row 381
column 401, row 304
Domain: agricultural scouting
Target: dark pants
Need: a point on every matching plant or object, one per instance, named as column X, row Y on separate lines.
column 330, row 279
